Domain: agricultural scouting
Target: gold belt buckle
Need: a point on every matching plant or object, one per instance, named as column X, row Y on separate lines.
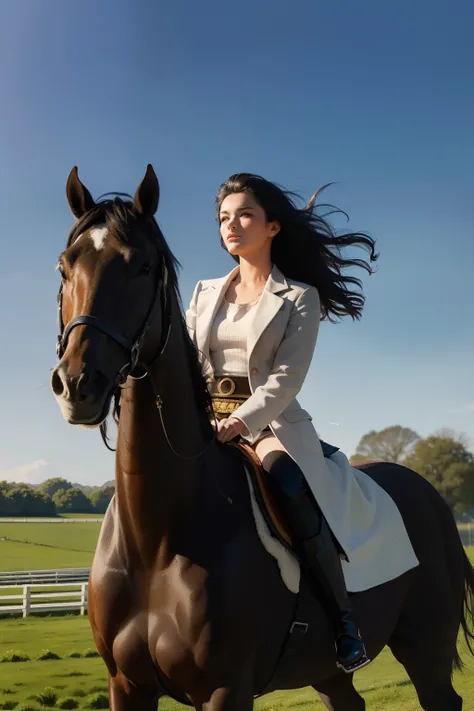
column 232, row 384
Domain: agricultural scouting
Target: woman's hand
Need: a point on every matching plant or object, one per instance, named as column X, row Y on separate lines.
column 229, row 428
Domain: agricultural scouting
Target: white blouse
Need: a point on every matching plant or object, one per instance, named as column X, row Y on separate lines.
column 228, row 338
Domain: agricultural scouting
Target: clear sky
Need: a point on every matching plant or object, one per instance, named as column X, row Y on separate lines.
column 375, row 96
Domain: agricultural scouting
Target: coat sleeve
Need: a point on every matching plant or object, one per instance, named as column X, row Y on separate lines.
column 290, row 365
column 191, row 313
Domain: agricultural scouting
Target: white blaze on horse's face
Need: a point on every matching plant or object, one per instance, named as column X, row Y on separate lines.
column 98, row 236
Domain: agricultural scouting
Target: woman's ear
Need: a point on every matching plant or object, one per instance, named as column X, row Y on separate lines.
column 275, row 228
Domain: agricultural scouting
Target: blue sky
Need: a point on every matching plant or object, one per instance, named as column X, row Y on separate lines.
column 374, row 96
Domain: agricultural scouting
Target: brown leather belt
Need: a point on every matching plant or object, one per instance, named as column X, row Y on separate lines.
column 228, row 393
column 228, row 386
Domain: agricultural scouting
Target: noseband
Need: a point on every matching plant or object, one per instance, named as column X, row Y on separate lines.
column 132, row 345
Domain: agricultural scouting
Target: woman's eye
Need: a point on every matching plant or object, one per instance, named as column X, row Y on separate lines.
column 223, row 219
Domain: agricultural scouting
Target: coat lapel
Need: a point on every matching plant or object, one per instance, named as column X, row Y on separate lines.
column 268, row 307
column 204, row 321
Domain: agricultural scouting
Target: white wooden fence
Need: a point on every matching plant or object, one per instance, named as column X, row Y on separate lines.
column 27, row 599
column 15, row 578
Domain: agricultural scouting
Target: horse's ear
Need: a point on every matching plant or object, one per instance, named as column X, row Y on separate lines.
column 147, row 195
column 79, row 198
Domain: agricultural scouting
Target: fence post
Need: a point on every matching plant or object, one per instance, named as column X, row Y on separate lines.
column 26, row 600
column 83, row 598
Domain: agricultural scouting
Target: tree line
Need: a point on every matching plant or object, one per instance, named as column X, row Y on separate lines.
column 52, row 497
column 442, row 458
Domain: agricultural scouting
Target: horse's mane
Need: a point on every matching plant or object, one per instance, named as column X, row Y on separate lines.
column 119, row 216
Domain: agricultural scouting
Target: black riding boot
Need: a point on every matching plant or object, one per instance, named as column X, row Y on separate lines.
column 318, row 548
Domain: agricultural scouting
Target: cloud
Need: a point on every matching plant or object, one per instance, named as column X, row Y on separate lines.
column 462, row 409
column 31, row 473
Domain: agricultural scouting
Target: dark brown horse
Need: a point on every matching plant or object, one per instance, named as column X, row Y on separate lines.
column 184, row 600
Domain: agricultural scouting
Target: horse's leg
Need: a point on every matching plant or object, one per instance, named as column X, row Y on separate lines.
column 125, row 697
column 339, row 694
column 236, row 695
column 430, row 669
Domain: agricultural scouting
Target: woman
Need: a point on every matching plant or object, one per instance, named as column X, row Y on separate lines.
column 256, row 329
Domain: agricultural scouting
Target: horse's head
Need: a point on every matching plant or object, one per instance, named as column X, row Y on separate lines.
column 112, row 299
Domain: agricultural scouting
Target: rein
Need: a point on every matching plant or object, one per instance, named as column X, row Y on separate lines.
column 134, row 346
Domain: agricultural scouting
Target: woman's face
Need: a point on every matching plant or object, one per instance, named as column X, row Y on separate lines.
column 244, row 227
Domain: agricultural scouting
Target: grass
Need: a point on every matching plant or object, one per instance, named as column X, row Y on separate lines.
column 36, row 546
column 384, row 684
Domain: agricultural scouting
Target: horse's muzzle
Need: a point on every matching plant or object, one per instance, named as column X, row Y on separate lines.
column 84, row 397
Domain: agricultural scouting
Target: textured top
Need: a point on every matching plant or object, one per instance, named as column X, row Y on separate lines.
column 228, row 338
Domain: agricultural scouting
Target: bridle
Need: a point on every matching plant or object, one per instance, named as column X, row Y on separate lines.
column 133, row 346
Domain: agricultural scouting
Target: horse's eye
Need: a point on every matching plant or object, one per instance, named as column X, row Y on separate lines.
column 145, row 269
column 60, row 269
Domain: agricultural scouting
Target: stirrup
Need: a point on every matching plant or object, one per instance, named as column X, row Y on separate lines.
column 361, row 661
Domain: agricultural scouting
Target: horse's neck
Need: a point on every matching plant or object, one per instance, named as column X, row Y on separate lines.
column 156, row 491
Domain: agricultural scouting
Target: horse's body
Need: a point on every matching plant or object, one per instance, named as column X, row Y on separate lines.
column 183, row 598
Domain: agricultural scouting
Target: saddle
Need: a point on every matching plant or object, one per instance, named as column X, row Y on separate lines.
column 265, row 500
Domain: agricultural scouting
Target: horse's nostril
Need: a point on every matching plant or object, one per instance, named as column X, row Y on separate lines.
column 81, row 388
column 56, row 383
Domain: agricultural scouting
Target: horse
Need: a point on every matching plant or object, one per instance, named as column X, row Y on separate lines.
column 184, row 600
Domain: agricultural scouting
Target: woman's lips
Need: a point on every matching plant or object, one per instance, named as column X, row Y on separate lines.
column 233, row 238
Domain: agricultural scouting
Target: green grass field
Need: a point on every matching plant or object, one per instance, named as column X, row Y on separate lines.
column 383, row 684
column 34, row 546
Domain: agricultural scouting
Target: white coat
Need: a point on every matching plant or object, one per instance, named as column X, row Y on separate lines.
column 280, row 346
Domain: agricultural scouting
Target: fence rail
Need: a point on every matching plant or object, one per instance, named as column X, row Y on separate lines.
column 69, row 576
column 28, row 605
column 466, row 532
column 35, row 519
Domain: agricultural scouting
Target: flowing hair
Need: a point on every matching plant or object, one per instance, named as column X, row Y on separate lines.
column 307, row 248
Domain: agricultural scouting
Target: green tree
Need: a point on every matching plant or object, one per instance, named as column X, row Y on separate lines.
column 72, row 500
column 23, row 500
column 100, row 498
column 51, row 486
column 393, row 444
column 447, row 464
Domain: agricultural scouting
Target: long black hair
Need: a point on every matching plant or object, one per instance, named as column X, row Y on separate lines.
column 307, row 248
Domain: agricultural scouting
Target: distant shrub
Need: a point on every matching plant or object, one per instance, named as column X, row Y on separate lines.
column 79, row 693
column 7, row 705
column 12, row 656
column 98, row 701
column 75, row 655
column 67, row 703
column 47, row 654
column 90, row 653
column 73, row 673
column 48, row 697
column 27, row 707
column 10, row 691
